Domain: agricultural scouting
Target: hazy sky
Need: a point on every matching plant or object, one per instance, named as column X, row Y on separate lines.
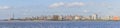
column 24, row 8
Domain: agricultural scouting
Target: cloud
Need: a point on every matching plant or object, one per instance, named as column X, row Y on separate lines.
column 75, row 4
column 5, row 7
column 55, row 5
column 62, row 4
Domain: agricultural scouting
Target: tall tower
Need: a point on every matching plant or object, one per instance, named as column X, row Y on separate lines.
column 12, row 16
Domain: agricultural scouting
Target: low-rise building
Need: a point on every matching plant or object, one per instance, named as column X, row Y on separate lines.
column 68, row 18
column 77, row 17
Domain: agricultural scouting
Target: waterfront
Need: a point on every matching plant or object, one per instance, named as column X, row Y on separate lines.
column 61, row 24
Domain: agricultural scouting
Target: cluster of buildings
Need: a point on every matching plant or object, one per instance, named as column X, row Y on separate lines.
column 93, row 17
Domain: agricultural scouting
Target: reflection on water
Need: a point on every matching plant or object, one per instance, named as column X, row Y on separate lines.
column 62, row 24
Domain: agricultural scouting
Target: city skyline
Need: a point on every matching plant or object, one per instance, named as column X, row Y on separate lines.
column 93, row 17
column 26, row 8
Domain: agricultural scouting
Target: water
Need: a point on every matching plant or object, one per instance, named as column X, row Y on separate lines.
column 61, row 24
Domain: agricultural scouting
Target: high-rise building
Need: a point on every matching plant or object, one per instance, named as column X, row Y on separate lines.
column 94, row 16
column 110, row 17
column 57, row 17
column 60, row 18
column 107, row 18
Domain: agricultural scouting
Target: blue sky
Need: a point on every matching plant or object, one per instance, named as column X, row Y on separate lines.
column 27, row 8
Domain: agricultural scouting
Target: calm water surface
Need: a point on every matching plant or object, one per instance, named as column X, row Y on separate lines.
column 61, row 24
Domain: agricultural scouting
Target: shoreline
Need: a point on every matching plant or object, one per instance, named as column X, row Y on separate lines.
column 59, row 21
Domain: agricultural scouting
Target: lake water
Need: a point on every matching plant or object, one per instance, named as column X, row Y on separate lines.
column 62, row 24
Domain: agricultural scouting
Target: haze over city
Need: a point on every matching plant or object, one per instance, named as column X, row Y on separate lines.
column 27, row 8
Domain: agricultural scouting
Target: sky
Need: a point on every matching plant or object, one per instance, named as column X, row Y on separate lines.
column 28, row 8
